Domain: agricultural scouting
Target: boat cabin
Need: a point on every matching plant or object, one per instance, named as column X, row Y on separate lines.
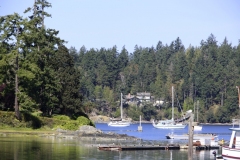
column 235, row 138
column 232, row 151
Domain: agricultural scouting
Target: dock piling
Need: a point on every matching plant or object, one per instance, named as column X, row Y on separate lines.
column 190, row 138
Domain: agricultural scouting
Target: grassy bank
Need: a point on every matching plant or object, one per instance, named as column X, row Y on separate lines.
column 37, row 123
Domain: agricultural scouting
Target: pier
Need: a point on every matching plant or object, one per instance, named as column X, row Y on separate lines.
column 153, row 147
column 139, row 147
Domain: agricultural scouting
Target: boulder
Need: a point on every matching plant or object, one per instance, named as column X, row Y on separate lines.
column 88, row 130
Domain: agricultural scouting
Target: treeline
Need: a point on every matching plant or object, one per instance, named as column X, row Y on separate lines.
column 208, row 73
column 38, row 73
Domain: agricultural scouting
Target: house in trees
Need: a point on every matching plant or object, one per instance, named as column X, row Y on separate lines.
column 139, row 98
column 158, row 103
column 144, row 96
column 131, row 98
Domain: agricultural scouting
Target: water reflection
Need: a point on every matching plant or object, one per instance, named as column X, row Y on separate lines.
column 39, row 148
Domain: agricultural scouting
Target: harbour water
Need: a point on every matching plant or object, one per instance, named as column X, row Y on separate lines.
column 47, row 148
column 151, row 133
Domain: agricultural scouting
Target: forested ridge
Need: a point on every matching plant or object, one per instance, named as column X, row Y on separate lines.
column 38, row 73
column 208, row 73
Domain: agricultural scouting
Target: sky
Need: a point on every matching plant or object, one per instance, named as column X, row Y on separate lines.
column 106, row 23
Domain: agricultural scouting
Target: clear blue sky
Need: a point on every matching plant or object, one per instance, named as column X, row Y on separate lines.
column 105, row 23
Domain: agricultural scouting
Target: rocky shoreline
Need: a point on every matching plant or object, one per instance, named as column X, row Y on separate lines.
column 85, row 133
column 91, row 133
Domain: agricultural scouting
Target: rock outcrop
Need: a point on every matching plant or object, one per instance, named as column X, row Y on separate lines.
column 90, row 133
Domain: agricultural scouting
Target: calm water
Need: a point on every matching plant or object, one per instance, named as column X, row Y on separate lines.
column 40, row 148
column 151, row 133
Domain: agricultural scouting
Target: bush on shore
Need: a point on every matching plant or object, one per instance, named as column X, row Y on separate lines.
column 30, row 121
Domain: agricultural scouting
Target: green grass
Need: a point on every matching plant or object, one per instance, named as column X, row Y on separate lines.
column 35, row 122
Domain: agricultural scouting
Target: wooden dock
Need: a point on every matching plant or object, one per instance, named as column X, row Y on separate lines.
column 138, row 147
column 152, row 147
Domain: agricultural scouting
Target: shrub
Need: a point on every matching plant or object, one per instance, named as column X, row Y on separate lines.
column 8, row 119
column 83, row 121
column 61, row 117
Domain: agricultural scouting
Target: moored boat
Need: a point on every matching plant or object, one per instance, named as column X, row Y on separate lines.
column 197, row 128
column 119, row 122
column 169, row 124
column 198, row 139
column 232, row 151
column 195, row 136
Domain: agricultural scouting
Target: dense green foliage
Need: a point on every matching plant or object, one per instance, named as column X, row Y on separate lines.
column 208, row 73
column 31, row 121
column 37, row 70
column 41, row 74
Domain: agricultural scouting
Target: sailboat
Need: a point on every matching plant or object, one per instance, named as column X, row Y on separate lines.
column 169, row 124
column 198, row 127
column 119, row 122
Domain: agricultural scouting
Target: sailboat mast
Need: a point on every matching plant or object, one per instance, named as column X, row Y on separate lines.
column 172, row 103
column 194, row 106
column 121, row 107
column 197, row 109
column 238, row 100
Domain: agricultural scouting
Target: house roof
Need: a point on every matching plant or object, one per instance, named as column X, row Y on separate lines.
column 143, row 94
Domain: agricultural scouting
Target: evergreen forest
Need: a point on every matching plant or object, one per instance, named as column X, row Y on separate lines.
column 39, row 73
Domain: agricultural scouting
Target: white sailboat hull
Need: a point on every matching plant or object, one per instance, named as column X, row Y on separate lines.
column 197, row 128
column 119, row 124
column 169, row 125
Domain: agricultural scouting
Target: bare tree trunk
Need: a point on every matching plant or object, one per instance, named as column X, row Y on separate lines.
column 16, row 107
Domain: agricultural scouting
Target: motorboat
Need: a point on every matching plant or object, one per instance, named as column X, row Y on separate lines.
column 195, row 136
column 198, row 139
column 232, row 151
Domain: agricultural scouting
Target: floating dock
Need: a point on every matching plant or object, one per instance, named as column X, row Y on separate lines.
column 138, row 147
column 153, row 147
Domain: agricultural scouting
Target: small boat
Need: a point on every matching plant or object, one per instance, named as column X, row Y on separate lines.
column 195, row 136
column 197, row 128
column 169, row 124
column 119, row 122
column 232, row 151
